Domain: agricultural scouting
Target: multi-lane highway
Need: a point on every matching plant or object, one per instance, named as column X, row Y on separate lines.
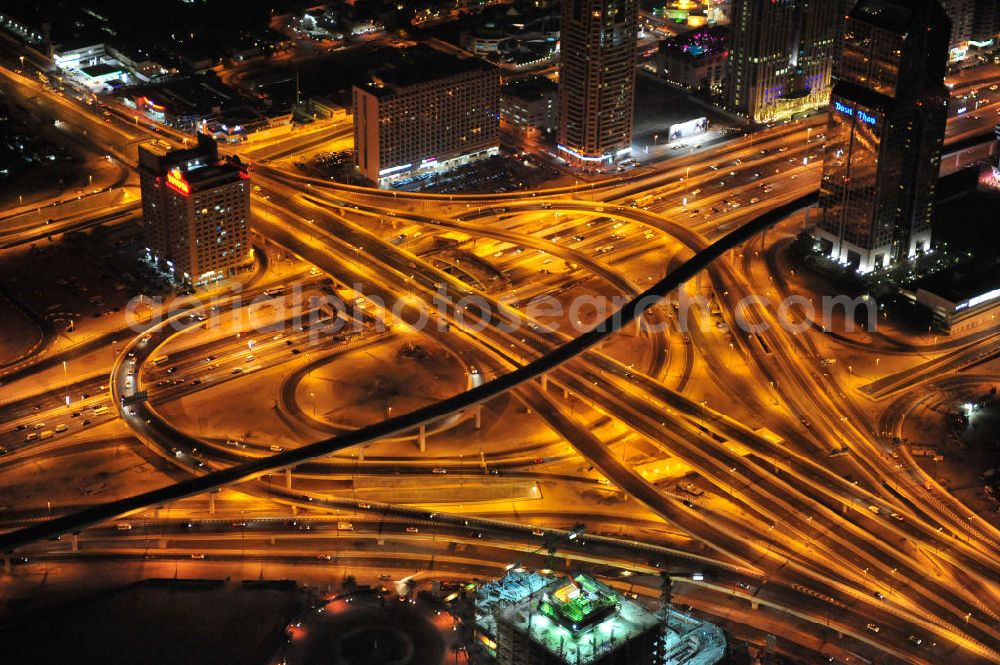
column 816, row 543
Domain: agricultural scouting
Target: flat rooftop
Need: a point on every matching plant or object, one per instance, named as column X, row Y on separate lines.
column 422, row 64
column 530, row 90
column 100, row 69
column 613, row 619
column 895, row 16
column 195, row 95
column 962, row 282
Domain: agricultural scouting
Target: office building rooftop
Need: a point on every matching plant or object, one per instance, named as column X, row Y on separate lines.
column 418, row 65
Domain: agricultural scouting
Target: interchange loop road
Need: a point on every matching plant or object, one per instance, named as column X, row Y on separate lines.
column 497, row 386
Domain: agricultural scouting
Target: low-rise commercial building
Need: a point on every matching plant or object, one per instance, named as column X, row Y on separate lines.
column 697, row 60
column 531, row 105
column 962, row 299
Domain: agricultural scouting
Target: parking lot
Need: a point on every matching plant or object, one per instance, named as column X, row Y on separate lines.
column 496, row 174
column 73, row 284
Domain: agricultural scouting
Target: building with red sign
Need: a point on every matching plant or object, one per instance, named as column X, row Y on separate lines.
column 196, row 211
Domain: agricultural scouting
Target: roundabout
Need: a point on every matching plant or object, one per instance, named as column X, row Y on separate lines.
column 371, row 627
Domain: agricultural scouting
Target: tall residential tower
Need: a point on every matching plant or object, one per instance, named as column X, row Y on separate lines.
column 885, row 133
column 780, row 57
column 597, row 79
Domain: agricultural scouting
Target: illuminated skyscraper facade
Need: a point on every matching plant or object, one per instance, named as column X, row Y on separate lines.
column 196, row 211
column 885, row 133
column 597, row 79
column 780, row 57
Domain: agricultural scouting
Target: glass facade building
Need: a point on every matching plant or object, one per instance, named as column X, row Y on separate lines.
column 885, row 133
column 597, row 79
column 780, row 57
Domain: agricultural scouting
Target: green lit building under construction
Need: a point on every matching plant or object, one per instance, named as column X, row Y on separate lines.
column 575, row 621
column 534, row 618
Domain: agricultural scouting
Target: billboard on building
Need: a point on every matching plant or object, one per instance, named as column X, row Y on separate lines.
column 690, row 128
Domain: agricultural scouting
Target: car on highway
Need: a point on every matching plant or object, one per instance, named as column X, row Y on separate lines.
column 690, row 488
column 412, row 529
column 874, row 627
column 439, row 470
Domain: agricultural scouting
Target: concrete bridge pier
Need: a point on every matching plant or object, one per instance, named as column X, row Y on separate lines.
column 422, row 438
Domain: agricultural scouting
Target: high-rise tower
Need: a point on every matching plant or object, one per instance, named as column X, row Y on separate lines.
column 780, row 57
column 963, row 15
column 885, row 133
column 196, row 210
column 597, row 79
column 986, row 22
